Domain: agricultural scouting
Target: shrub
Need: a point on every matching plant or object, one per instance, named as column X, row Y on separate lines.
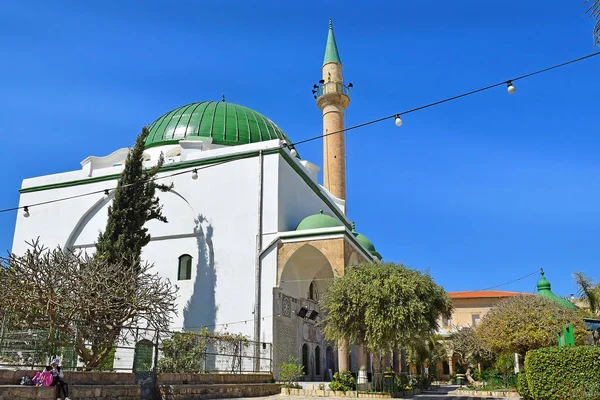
column 522, row 386
column 184, row 352
column 523, row 323
column 564, row 373
column 290, row 372
column 343, row 381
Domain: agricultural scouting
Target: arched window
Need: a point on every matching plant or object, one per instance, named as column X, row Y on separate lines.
column 313, row 292
column 185, row 268
column 305, row 358
column 317, row 360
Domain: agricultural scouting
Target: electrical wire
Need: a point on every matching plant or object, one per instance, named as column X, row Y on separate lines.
column 195, row 169
column 537, row 271
column 292, row 145
column 412, row 110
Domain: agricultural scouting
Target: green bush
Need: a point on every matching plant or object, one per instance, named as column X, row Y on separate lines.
column 522, row 386
column 290, row 372
column 343, row 381
column 569, row 372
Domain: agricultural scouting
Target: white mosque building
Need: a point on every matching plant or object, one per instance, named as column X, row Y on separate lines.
column 252, row 235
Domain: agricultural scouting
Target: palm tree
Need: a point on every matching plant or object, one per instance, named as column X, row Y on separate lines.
column 594, row 11
column 589, row 290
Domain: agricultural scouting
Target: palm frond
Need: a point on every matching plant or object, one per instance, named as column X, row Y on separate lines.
column 594, row 12
column 587, row 289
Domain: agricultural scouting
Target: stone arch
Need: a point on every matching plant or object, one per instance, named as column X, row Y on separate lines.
column 95, row 217
column 307, row 265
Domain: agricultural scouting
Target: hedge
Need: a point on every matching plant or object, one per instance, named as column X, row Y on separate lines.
column 569, row 372
column 523, row 386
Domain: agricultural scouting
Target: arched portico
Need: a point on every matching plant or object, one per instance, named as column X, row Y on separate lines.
column 304, row 270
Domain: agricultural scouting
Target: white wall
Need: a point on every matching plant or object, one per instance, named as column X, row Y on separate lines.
column 296, row 199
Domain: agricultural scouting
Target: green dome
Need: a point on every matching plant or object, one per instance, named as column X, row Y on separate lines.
column 367, row 244
column 544, row 286
column 226, row 123
column 318, row 221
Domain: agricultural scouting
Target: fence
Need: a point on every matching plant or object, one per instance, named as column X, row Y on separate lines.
column 136, row 349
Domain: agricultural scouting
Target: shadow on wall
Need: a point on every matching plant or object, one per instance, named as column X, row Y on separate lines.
column 201, row 310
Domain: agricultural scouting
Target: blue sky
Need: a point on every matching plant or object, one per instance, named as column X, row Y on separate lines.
column 479, row 191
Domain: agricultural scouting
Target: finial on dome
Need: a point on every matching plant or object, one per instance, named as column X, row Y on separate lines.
column 353, row 227
column 330, row 24
column 320, row 211
column 223, row 99
column 542, row 271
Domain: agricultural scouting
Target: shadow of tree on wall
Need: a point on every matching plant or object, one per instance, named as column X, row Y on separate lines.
column 201, row 309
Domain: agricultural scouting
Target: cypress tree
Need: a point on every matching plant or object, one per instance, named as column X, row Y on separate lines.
column 134, row 204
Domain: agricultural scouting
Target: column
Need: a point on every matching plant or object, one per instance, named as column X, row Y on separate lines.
column 343, row 355
column 362, row 365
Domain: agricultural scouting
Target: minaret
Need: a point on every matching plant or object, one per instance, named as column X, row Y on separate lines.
column 333, row 97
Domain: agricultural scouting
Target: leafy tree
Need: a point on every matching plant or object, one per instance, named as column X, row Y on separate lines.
column 520, row 324
column 465, row 343
column 594, row 11
column 134, row 204
column 589, row 291
column 383, row 306
column 75, row 298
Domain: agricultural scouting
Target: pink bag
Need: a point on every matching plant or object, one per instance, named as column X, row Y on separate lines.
column 42, row 378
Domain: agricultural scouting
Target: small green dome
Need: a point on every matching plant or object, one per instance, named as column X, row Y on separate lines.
column 226, row 123
column 367, row 244
column 318, row 221
column 544, row 287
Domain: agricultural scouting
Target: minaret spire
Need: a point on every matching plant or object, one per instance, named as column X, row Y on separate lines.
column 333, row 97
column 331, row 50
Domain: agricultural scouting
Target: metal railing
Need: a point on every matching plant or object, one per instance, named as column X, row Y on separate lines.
column 136, row 350
column 332, row 87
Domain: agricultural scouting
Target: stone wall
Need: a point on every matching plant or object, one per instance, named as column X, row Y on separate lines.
column 73, row 377
column 217, row 391
column 196, row 379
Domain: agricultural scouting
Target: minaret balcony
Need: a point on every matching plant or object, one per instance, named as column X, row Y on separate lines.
column 332, row 88
column 332, row 94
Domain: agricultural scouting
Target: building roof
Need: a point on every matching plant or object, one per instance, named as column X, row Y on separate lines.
column 226, row 123
column 480, row 294
column 331, row 50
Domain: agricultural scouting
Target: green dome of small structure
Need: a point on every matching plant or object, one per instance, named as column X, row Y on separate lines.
column 544, row 286
column 226, row 123
column 318, row 221
column 367, row 244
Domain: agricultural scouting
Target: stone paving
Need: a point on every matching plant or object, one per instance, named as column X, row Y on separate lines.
column 435, row 394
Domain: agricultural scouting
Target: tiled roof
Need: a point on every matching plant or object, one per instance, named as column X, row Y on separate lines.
column 485, row 294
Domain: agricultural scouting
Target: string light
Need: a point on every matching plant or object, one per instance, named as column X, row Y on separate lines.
column 398, row 120
column 511, row 88
column 26, row 212
column 106, row 194
column 436, row 103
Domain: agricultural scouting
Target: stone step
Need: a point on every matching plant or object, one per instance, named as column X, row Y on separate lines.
column 218, row 391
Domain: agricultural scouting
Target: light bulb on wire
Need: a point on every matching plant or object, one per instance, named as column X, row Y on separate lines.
column 195, row 174
column 106, row 194
column 398, row 120
column 26, row 212
column 294, row 153
column 511, row 88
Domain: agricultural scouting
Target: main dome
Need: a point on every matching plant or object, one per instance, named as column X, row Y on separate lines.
column 226, row 123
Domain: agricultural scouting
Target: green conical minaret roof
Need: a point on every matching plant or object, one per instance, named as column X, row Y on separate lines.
column 331, row 50
column 544, row 287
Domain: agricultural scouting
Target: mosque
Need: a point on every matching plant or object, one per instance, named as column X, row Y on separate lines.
column 252, row 235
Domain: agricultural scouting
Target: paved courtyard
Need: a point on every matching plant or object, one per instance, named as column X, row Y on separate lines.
column 435, row 394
